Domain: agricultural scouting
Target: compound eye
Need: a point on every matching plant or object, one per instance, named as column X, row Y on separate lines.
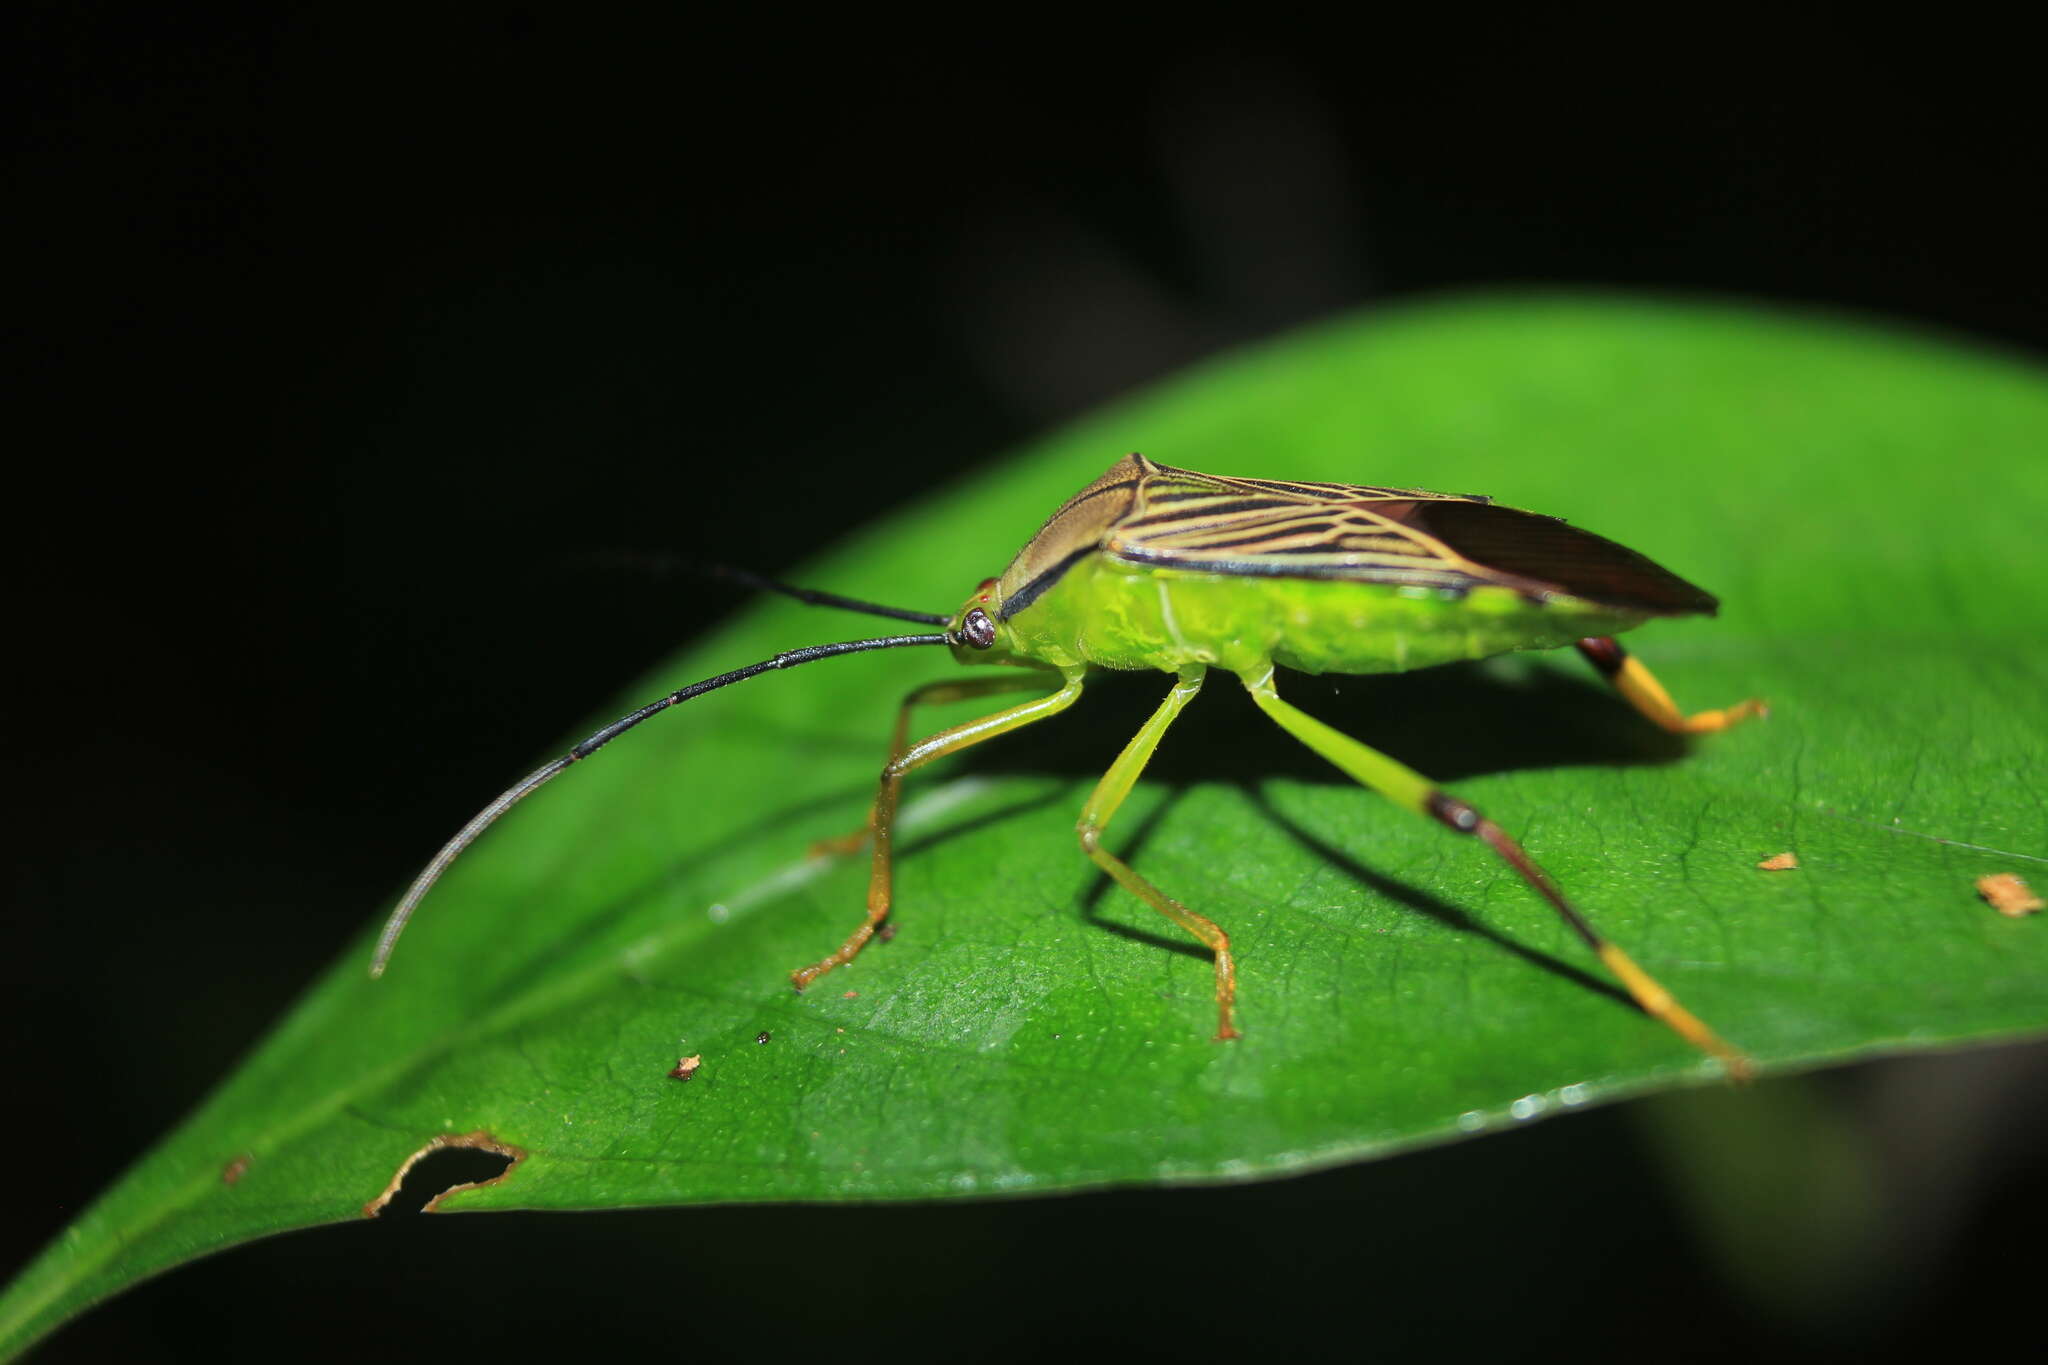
column 977, row 630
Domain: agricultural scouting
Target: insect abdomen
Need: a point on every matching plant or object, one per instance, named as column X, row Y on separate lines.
column 1114, row 615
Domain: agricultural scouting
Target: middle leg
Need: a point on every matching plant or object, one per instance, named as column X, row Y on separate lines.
column 1102, row 805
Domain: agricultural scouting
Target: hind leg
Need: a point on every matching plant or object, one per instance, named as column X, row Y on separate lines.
column 1412, row 791
column 1642, row 690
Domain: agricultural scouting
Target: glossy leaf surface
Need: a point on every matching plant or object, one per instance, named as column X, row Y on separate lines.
column 1868, row 506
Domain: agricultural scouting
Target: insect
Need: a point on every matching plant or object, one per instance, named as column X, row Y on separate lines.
column 1152, row 567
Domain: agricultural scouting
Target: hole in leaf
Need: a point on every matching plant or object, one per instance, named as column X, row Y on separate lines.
column 439, row 1169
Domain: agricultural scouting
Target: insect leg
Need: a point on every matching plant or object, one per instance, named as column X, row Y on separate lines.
column 883, row 822
column 931, row 694
column 1102, row 805
column 1412, row 791
column 1642, row 691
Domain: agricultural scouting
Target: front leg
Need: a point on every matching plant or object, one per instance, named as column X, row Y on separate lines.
column 882, row 823
column 931, row 694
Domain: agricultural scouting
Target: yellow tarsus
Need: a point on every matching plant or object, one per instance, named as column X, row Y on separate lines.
column 1660, row 1004
column 1648, row 696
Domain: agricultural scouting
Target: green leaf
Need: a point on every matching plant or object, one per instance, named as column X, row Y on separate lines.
column 1867, row 504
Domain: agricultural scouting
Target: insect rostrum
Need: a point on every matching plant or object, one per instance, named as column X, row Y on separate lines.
column 1152, row 567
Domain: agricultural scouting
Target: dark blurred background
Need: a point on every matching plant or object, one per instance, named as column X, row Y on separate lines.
column 347, row 351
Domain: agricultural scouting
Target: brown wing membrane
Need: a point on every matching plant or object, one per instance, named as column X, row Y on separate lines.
column 1145, row 513
column 1269, row 528
column 1528, row 545
column 1072, row 533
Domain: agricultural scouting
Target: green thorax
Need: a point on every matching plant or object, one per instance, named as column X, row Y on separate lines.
column 1110, row 614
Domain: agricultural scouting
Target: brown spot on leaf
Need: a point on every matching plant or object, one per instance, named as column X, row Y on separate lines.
column 2009, row 895
column 234, row 1170
column 1779, row 862
column 687, row 1067
column 477, row 1141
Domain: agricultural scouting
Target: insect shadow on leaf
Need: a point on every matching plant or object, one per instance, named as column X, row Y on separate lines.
column 1462, row 720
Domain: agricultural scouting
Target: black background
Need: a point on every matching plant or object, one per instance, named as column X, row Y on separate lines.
column 348, row 349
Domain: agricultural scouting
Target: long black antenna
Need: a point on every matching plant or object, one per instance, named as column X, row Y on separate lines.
column 664, row 563
column 822, row 599
column 526, row 786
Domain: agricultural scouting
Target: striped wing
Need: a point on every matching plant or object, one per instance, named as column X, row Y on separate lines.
column 1181, row 519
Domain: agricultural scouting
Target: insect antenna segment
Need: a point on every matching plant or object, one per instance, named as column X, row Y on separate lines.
column 823, row 599
column 668, row 565
column 541, row 776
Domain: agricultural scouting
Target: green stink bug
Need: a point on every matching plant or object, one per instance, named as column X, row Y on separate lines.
column 1152, row 567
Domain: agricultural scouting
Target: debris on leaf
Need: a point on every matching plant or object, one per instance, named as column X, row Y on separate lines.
column 1779, row 862
column 840, row 847
column 2009, row 895
column 850, row 995
column 762, row 1036
column 235, row 1170
column 886, row 932
column 686, row 1068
